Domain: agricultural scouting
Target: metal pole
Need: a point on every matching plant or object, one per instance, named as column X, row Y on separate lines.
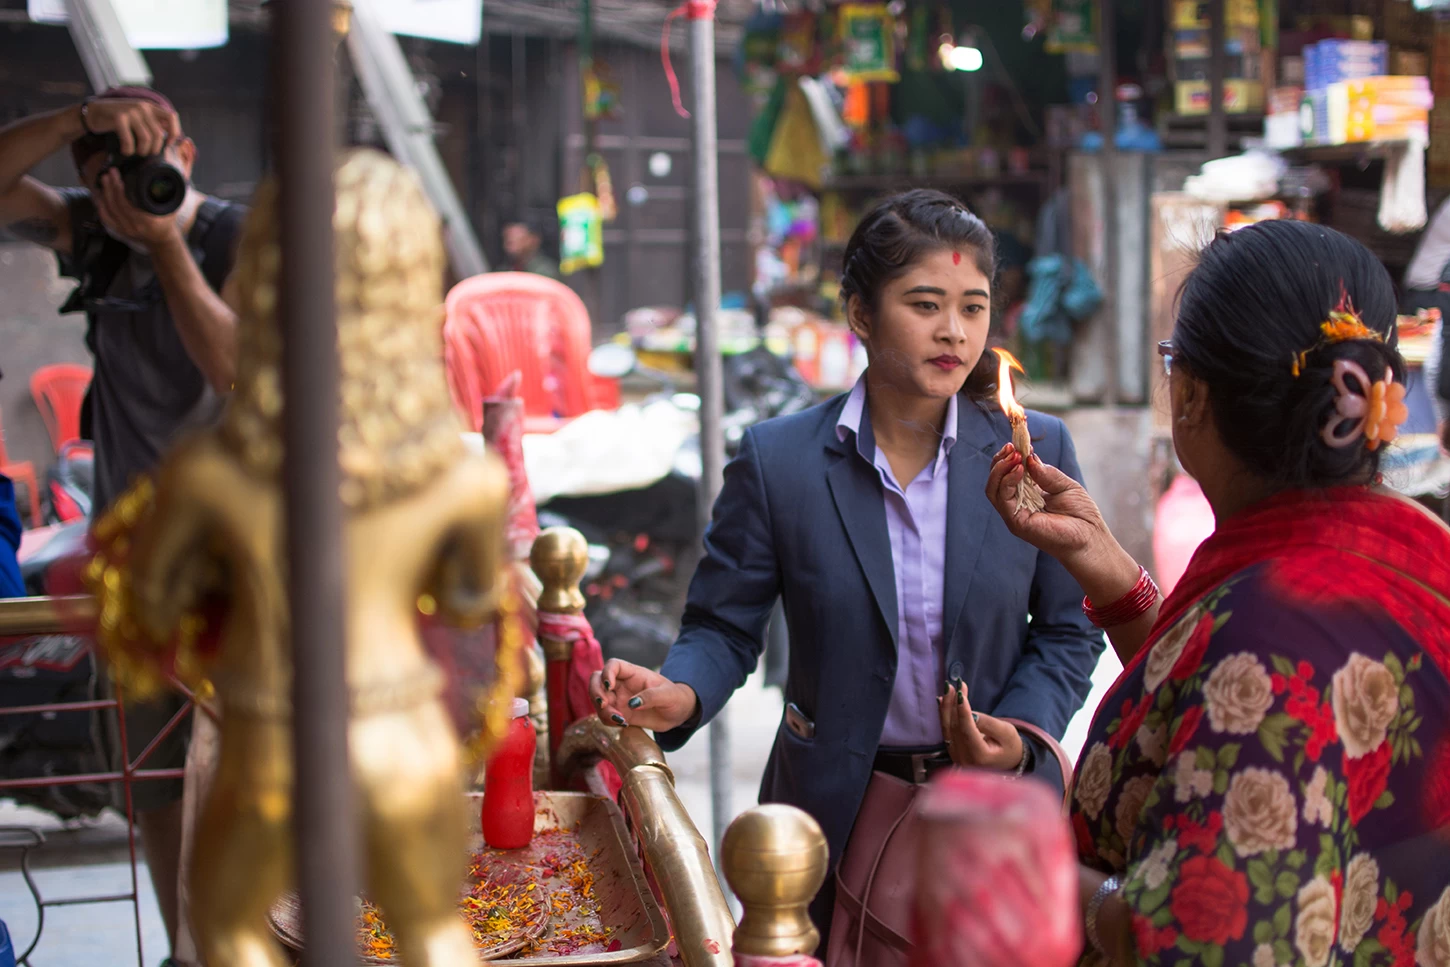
column 706, row 290
column 1108, row 122
column 326, row 825
column 104, row 49
column 1217, row 122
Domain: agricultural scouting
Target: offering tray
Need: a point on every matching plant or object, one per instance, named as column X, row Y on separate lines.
column 600, row 908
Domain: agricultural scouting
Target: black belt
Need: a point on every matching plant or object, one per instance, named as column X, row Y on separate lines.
column 913, row 765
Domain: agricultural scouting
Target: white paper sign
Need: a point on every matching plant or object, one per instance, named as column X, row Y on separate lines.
column 455, row 21
column 155, row 24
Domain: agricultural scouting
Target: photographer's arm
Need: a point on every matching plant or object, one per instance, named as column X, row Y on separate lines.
column 29, row 209
column 206, row 324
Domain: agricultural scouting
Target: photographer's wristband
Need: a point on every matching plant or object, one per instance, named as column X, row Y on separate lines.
column 86, row 103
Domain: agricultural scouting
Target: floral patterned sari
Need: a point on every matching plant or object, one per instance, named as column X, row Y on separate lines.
column 1271, row 773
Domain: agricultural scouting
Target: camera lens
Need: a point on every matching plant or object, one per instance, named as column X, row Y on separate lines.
column 154, row 186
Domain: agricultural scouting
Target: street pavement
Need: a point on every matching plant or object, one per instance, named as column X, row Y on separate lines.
column 90, row 858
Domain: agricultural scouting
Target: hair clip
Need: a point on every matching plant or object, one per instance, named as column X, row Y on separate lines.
column 1372, row 410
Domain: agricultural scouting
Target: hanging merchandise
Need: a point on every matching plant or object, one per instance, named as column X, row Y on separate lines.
column 868, row 40
column 1072, row 26
column 758, row 50
column 603, row 187
column 919, row 40
column 601, row 92
column 762, row 129
column 856, row 111
column 796, row 152
column 581, row 233
column 799, row 49
column 833, row 131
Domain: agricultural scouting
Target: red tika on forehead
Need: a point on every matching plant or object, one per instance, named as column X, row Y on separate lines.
column 956, row 258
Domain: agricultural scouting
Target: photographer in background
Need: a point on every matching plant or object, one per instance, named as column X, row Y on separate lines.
column 152, row 254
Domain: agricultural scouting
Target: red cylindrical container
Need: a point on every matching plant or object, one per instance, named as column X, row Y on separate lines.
column 508, row 785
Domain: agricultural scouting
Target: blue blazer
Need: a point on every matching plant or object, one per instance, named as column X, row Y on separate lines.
column 803, row 518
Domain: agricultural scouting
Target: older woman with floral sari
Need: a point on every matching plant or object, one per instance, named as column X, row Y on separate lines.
column 1268, row 782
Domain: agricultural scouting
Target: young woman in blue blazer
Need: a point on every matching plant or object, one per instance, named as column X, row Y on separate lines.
column 917, row 622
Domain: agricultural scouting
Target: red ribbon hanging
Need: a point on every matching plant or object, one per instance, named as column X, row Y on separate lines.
column 693, row 10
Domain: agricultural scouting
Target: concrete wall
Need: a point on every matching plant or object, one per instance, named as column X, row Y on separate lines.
column 32, row 335
column 1114, row 447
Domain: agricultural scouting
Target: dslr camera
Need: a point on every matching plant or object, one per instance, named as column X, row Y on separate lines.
column 153, row 185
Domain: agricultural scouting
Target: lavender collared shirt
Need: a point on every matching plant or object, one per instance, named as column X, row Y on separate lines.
column 916, row 522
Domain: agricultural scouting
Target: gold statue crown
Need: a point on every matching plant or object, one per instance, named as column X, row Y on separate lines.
column 397, row 423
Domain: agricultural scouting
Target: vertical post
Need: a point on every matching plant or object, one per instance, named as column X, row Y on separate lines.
column 1217, row 122
column 1108, row 122
column 705, row 279
column 326, row 825
column 559, row 557
column 774, row 859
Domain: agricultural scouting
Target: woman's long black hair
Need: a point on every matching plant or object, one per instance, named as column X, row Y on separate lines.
column 1255, row 302
column 901, row 230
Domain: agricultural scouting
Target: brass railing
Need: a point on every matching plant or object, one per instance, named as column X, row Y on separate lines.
column 674, row 850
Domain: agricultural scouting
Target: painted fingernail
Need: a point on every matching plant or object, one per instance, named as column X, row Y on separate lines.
column 945, row 687
column 619, row 719
column 636, row 702
column 605, row 683
column 961, row 698
column 598, row 702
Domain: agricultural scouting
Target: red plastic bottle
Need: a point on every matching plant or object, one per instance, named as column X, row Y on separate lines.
column 508, row 785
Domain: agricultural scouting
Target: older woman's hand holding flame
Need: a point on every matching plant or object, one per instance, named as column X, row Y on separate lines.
column 1068, row 525
column 1054, row 513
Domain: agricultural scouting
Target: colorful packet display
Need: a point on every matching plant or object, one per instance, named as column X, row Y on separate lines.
column 868, row 41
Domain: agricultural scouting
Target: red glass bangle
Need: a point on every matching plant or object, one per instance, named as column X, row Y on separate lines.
column 1127, row 608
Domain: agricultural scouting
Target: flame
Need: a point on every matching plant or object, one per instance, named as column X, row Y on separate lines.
column 1006, row 362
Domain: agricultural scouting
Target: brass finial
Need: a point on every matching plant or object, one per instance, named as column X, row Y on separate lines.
column 560, row 557
column 774, row 858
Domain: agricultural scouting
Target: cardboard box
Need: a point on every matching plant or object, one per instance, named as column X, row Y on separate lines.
column 1239, row 97
column 1379, row 109
column 1193, row 14
column 1331, row 61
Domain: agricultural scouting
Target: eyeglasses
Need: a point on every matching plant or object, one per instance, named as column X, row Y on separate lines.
column 1165, row 349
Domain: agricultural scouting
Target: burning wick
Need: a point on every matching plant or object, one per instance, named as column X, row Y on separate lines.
column 1029, row 495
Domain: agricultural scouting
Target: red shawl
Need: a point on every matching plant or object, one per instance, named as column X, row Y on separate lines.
column 1346, row 545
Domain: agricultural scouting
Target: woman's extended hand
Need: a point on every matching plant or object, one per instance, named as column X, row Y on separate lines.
column 628, row 694
column 1068, row 526
column 974, row 739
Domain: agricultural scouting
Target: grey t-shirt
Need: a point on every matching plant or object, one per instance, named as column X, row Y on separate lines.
column 1432, row 254
column 146, row 390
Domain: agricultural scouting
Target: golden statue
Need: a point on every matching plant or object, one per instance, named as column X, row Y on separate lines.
column 424, row 521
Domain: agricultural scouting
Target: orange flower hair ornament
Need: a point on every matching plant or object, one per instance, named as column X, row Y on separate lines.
column 1343, row 325
column 1374, row 411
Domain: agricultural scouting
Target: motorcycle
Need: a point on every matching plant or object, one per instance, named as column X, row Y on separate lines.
column 69, row 483
column 644, row 542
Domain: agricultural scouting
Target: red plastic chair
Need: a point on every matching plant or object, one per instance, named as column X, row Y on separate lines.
column 22, row 473
column 58, row 392
column 503, row 322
